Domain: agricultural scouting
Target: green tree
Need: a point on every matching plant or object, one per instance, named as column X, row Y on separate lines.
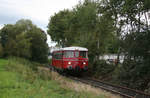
column 23, row 46
column 58, row 27
column 39, row 47
column 81, row 26
column 84, row 26
column 10, row 48
column 7, row 33
column 1, row 50
column 24, row 39
column 132, row 15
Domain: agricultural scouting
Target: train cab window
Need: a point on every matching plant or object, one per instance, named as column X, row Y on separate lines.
column 83, row 54
column 68, row 54
column 76, row 53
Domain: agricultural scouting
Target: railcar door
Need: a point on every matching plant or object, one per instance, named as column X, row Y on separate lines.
column 54, row 59
column 59, row 59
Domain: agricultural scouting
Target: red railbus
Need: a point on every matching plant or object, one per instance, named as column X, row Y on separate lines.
column 70, row 58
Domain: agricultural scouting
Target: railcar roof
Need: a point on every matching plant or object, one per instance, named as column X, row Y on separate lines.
column 75, row 48
column 72, row 48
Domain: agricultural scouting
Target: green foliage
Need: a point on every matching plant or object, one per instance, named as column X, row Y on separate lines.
column 1, row 50
column 58, row 27
column 83, row 26
column 24, row 39
column 135, row 74
column 39, row 47
column 10, row 48
column 135, row 40
column 136, row 66
column 5, row 34
column 23, row 46
column 102, row 69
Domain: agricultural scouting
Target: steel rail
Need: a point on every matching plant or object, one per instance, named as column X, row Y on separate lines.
column 122, row 91
column 132, row 92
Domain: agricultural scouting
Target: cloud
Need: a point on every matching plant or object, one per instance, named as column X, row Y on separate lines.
column 38, row 11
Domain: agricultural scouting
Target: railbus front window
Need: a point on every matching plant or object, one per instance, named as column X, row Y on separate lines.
column 68, row 54
column 83, row 54
column 76, row 54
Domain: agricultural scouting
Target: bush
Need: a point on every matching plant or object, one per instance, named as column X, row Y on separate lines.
column 102, row 69
column 135, row 74
column 28, row 70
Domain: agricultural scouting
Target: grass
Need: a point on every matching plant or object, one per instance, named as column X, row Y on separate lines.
column 19, row 80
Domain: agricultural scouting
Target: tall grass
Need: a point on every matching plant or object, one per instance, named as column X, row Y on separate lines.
column 27, row 69
column 29, row 80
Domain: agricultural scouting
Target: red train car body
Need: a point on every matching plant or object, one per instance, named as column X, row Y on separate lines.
column 70, row 58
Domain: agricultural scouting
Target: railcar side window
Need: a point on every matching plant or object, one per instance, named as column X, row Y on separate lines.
column 57, row 55
column 83, row 54
column 69, row 54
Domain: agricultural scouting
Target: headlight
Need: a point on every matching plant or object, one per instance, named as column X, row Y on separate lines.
column 69, row 62
column 84, row 63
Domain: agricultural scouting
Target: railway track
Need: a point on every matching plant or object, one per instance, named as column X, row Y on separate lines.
column 122, row 91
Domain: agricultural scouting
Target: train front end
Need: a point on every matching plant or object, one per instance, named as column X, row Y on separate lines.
column 75, row 59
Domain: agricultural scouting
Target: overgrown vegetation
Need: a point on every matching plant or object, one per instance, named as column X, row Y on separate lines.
column 18, row 79
column 134, row 41
column 109, row 26
column 24, row 39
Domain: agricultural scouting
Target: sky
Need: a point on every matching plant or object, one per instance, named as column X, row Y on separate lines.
column 38, row 11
